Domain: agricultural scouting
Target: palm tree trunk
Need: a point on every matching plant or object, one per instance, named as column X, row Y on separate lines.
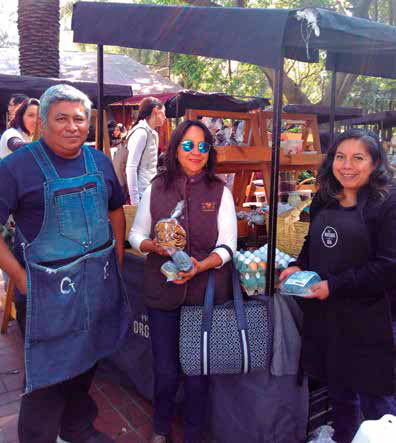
column 38, row 28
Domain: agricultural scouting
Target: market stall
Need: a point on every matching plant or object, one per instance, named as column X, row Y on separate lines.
column 352, row 45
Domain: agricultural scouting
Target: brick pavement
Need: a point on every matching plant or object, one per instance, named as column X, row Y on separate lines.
column 123, row 414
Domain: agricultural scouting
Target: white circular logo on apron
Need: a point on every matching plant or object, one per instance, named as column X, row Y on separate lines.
column 329, row 237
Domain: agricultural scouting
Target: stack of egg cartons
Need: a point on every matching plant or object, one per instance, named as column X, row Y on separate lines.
column 251, row 266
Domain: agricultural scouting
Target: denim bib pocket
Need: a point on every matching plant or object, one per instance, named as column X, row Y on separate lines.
column 59, row 305
column 70, row 212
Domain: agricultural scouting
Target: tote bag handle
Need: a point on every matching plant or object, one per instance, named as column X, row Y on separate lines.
column 240, row 316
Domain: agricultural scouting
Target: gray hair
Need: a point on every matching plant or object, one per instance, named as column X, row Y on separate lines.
column 59, row 93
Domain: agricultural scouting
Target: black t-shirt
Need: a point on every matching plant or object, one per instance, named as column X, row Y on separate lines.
column 22, row 186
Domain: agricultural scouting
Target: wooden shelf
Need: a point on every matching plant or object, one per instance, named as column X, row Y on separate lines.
column 251, row 154
column 242, row 154
column 255, row 154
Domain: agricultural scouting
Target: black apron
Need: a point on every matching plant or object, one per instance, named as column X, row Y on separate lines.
column 347, row 338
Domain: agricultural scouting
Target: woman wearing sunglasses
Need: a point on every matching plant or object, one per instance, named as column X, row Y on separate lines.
column 209, row 219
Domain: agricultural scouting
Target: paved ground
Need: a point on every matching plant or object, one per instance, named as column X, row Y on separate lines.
column 123, row 415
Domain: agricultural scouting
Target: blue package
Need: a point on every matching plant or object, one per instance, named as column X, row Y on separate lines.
column 170, row 271
column 299, row 283
column 182, row 261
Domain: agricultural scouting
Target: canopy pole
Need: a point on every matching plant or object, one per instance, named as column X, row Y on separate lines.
column 273, row 201
column 100, row 96
column 332, row 105
column 123, row 113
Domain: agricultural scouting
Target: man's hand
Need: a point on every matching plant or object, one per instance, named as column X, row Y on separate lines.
column 10, row 265
column 117, row 220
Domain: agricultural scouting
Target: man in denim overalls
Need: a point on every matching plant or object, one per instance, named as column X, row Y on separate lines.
column 71, row 303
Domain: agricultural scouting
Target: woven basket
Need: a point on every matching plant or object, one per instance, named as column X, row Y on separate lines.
column 129, row 211
column 290, row 231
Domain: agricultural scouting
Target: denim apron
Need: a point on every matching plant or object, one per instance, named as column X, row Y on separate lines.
column 77, row 309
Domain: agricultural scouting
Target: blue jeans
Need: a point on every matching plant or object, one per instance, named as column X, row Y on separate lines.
column 164, row 332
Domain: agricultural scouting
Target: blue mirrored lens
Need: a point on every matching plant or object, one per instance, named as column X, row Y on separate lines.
column 187, row 145
column 203, row 147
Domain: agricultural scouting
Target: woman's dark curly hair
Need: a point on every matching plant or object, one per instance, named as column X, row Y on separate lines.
column 380, row 179
column 171, row 166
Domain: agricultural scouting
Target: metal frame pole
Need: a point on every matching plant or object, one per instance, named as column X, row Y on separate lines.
column 123, row 113
column 100, row 96
column 273, row 203
column 332, row 104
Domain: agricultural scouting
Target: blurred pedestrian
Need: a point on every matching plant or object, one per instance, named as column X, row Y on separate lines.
column 14, row 103
column 142, row 144
column 21, row 129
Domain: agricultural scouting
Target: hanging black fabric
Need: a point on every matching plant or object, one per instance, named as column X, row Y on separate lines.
column 176, row 106
column 362, row 46
column 35, row 86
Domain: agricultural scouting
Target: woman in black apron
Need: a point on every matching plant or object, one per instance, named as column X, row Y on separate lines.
column 347, row 334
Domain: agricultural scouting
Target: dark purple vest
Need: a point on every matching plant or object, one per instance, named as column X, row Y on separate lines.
column 199, row 219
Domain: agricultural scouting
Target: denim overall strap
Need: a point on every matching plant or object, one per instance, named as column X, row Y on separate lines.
column 90, row 165
column 43, row 161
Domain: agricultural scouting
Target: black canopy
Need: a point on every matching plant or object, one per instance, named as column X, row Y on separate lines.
column 254, row 36
column 386, row 119
column 176, row 106
column 35, row 86
column 323, row 113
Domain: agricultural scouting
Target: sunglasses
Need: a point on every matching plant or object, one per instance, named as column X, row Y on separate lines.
column 188, row 145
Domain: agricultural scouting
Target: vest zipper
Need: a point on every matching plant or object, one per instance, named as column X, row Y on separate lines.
column 188, row 234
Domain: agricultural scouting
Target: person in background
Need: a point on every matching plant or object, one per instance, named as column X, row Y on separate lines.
column 119, row 154
column 21, row 129
column 350, row 319
column 110, row 128
column 209, row 219
column 142, row 142
column 71, row 304
column 119, row 134
column 14, row 103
